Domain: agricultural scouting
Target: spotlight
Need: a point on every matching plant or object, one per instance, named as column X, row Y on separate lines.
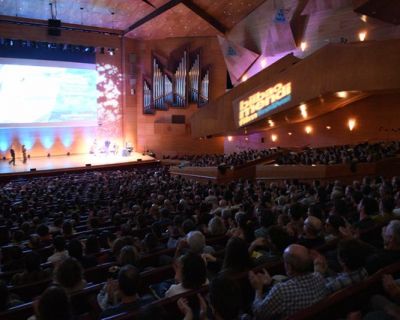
column 362, row 35
column 244, row 78
column 308, row 129
column 274, row 137
column 328, row 127
column 111, row 51
column 303, row 110
column 351, row 123
column 263, row 63
column 271, row 123
column 289, row 133
column 230, row 138
column 303, row 46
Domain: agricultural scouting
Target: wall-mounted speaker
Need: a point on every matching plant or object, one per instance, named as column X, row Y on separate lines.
column 88, row 165
column 32, row 169
column 262, row 140
column 177, row 118
column 139, row 160
column 54, row 27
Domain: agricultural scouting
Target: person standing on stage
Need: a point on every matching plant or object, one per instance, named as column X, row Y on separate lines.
column 23, row 154
column 12, row 152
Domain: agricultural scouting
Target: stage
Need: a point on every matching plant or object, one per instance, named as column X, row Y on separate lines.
column 72, row 163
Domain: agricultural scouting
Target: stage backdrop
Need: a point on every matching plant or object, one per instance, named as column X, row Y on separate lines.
column 54, row 105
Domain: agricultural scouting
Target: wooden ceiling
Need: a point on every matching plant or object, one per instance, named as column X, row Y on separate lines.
column 141, row 19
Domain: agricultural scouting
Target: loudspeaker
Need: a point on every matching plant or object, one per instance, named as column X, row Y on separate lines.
column 33, row 169
column 54, row 26
column 176, row 118
column 229, row 84
column 139, row 160
column 132, row 58
column 88, row 165
column 262, row 140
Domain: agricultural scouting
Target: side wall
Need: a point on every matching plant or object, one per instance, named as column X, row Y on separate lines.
column 377, row 119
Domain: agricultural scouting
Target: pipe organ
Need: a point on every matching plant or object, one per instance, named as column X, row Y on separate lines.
column 194, row 77
column 204, row 88
column 176, row 88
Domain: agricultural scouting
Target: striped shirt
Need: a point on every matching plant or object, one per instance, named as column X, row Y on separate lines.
column 345, row 279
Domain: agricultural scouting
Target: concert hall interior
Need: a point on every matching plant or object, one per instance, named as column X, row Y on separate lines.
column 200, row 110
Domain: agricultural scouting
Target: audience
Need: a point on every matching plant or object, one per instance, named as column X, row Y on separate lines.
column 122, row 217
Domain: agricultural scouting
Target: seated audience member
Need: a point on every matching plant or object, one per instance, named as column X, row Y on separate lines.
column 351, row 255
column 53, row 304
column 332, row 227
column 44, row 233
column 216, row 227
column 69, row 275
column 16, row 260
column 59, row 251
column 197, row 243
column 391, row 252
column 237, row 258
column 128, row 256
column 190, row 273
column 67, row 229
column 311, row 236
column 302, row 290
column 367, row 208
column 33, row 271
column 7, row 300
column 296, row 224
column 126, row 290
column 225, row 300
column 386, row 207
column 75, row 250
column 272, row 247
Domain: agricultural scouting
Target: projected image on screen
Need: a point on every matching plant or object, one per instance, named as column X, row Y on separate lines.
column 47, row 95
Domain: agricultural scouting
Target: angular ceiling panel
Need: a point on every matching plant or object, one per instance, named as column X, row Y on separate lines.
column 178, row 21
column 237, row 58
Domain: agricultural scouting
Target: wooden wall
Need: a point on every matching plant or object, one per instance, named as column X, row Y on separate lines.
column 376, row 120
column 156, row 132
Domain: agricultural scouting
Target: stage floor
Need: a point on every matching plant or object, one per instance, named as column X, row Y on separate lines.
column 69, row 162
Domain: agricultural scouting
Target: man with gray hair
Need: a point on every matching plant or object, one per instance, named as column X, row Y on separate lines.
column 303, row 289
column 391, row 252
column 197, row 243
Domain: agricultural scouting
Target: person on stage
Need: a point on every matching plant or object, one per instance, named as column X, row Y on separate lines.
column 24, row 158
column 12, row 152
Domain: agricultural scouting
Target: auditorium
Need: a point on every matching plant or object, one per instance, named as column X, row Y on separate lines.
column 199, row 159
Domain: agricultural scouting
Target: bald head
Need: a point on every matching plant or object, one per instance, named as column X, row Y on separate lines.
column 297, row 260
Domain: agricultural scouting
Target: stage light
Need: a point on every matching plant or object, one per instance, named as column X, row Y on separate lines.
column 289, row 133
column 351, row 123
column 271, row 123
column 246, row 139
column 263, row 63
column 362, row 35
column 303, row 110
column 308, row 129
column 342, row 94
column 303, row 46
column 230, row 138
column 111, row 51
column 328, row 127
column 274, row 137
column 244, row 78
column 363, row 18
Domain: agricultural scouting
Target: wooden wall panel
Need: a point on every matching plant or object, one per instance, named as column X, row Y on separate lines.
column 152, row 130
column 377, row 120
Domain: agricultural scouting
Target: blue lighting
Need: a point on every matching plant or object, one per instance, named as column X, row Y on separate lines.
column 66, row 137
column 5, row 140
column 47, row 138
column 27, row 138
column 273, row 106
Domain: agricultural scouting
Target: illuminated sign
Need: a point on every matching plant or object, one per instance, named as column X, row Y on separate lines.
column 263, row 102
